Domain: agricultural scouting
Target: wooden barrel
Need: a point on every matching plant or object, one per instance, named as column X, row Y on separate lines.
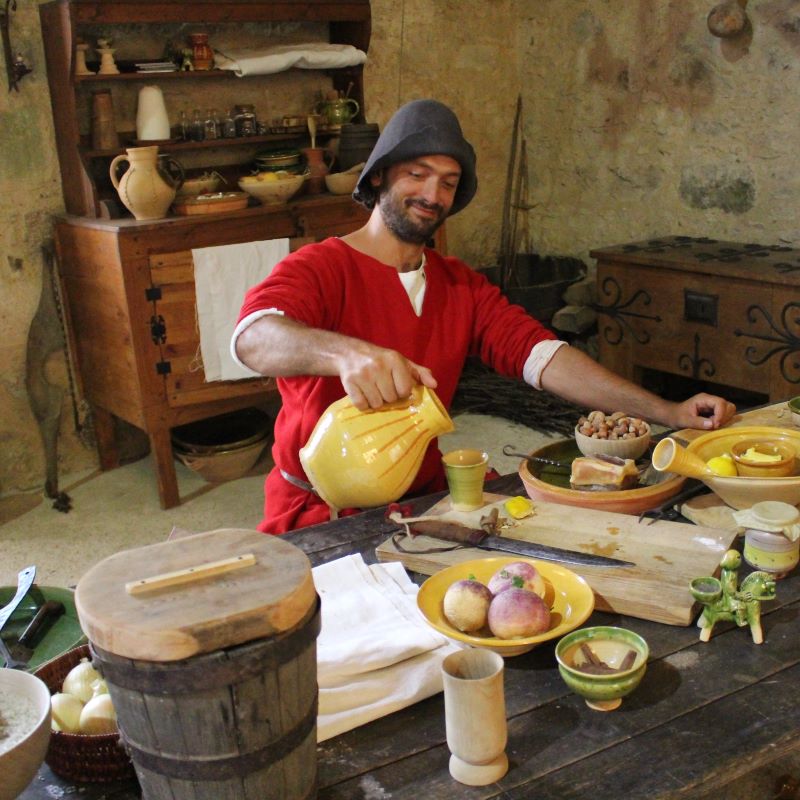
column 210, row 661
column 237, row 723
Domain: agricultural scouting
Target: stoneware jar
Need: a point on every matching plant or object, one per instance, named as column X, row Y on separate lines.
column 770, row 550
column 152, row 121
column 362, row 459
column 145, row 190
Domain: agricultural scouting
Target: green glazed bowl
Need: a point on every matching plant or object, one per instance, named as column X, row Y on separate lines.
column 602, row 692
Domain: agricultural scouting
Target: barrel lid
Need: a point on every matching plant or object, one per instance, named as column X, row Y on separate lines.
column 195, row 594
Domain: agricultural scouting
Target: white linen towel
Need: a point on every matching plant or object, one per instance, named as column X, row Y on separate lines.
column 375, row 652
column 222, row 275
column 311, row 55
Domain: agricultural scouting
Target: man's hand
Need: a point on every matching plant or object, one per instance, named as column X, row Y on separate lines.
column 373, row 376
column 703, row 411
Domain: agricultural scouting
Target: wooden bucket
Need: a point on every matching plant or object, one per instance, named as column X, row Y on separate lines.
column 213, row 678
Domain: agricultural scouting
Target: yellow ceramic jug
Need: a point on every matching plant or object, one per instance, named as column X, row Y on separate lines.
column 362, row 459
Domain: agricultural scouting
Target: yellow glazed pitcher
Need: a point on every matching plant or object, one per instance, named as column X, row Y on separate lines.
column 362, row 459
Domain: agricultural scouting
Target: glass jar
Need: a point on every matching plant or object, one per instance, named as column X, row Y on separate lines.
column 228, row 127
column 245, row 118
column 202, row 54
column 197, row 130
column 211, row 126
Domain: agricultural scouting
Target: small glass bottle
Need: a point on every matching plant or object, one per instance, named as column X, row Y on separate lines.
column 185, row 126
column 228, row 127
column 198, row 127
column 210, row 124
column 245, row 117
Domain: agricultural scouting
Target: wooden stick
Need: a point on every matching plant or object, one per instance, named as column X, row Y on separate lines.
column 190, row 574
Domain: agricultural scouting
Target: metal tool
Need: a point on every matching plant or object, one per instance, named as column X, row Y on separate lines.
column 671, row 508
column 480, row 538
column 508, row 451
column 22, row 651
column 25, row 580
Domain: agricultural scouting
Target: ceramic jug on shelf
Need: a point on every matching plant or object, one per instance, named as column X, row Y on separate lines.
column 363, row 459
column 152, row 122
column 319, row 161
column 146, row 189
column 339, row 111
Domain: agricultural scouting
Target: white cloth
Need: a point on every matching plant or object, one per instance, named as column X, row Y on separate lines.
column 746, row 518
column 375, row 652
column 222, row 275
column 311, row 55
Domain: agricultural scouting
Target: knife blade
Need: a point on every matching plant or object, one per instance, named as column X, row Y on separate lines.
column 25, row 580
column 480, row 538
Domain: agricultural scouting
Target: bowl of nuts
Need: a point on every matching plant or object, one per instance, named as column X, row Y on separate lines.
column 617, row 434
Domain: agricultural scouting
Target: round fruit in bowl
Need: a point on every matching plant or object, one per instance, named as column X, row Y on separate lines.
column 618, row 434
column 512, row 619
column 271, row 188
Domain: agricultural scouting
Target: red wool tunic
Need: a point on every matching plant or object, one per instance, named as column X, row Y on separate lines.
column 336, row 288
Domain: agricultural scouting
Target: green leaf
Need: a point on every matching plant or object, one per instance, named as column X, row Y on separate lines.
column 517, row 582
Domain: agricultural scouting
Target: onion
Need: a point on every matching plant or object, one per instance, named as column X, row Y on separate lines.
column 66, row 714
column 99, row 687
column 98, row 715
column 79, row 680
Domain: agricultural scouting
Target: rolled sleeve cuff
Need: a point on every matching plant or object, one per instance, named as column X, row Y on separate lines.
column 540, row 357
column 245, row 323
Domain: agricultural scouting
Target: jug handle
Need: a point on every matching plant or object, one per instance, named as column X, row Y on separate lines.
column 112, row 169
column 355, row 103
column 328, row 154
column 178, row 176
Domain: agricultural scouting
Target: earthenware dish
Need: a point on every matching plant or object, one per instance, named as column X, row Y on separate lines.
column 740, row 491
column 551, row 484
column 752, row 468
column 273, row 192
column 602, row 692
column 620, row 448
column 569, row 597
column 341, row 182
column 28, row 729
column 794, row 409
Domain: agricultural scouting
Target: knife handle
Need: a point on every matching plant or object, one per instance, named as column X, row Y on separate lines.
column 50, row 608
column 449, row 531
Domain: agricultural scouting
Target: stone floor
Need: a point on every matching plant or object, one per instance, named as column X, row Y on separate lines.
column 117, row 510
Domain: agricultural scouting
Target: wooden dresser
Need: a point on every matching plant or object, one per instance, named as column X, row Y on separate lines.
column 720, row 312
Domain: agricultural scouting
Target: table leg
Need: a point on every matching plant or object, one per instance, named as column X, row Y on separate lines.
column 105, row 437
column 161, row 446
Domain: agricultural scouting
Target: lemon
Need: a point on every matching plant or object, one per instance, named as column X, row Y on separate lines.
column 722, row 465
column 519, row 507
column 268, row 177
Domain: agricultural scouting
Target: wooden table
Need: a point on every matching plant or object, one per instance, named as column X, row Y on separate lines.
column 704, row 715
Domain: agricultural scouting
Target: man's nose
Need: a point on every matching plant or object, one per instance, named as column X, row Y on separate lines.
column 433, row 192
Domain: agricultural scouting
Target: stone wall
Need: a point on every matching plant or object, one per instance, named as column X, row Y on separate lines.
column 637, row 122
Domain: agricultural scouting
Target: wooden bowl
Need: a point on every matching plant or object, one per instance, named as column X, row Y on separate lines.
column 569, row 597
column 621, row 448
column 750, row 467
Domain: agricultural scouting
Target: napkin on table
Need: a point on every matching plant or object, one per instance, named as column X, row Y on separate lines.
column 375, row 652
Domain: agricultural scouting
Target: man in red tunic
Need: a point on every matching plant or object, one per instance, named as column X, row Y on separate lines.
column 376, row 312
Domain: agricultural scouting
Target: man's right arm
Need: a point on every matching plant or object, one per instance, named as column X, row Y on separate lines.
column 280, row 347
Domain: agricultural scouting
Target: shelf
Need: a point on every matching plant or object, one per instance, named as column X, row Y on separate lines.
column 158, row 76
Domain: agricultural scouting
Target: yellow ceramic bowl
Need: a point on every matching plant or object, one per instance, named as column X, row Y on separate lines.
column 272, row 192
column 569, row 597
column 794, row 409
column 742, row 491
column 748, row 467
column 341, row 182
column 620, row 448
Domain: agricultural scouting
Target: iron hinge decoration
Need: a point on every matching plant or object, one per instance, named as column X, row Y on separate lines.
column 158, row 329
column 694, row 363
column 152, row 293
column 786, row 342
column 619, row 312
column 163, row 367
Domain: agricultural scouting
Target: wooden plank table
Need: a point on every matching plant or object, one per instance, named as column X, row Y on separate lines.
column 705, row 713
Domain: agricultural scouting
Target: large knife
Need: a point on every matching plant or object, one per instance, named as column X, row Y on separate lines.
column 481, row 538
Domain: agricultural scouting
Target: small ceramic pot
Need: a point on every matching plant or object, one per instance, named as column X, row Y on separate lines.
column 602, row 692
column 794, row 409
column 745, row 455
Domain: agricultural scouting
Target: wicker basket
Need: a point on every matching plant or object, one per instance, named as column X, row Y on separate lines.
column 80, row 757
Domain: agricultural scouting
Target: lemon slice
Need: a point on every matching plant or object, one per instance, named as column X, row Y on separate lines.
column 723, row 466
column 519, row 507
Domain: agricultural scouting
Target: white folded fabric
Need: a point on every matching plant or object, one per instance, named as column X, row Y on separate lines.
column 375, row 652
column 312, row 55
column 222, row 275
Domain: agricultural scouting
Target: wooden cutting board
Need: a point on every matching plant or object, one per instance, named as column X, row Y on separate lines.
column 271, row 594
column 667, row 555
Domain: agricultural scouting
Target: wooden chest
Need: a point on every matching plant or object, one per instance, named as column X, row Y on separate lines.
column 724, row 313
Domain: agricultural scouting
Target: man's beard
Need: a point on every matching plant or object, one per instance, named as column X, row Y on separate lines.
column 397, row 219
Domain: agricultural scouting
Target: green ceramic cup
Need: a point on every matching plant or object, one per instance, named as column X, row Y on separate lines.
column 602, row 692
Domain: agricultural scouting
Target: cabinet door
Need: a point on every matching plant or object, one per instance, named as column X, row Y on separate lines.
column 684, row 323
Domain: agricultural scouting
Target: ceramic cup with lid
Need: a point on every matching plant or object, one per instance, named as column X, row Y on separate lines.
column 771, row 550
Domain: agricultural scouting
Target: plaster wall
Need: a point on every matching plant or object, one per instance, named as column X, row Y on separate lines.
column 637, row 122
